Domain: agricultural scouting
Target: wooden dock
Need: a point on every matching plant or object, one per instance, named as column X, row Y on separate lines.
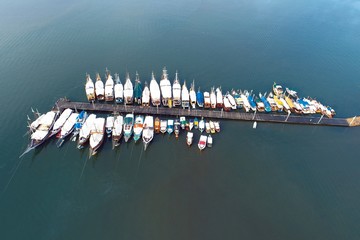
column 209, row 113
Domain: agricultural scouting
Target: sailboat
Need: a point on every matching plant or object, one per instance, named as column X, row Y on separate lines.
column 212, row 98
column 99, row 88
column 165, row 87
column 189, row 138
column 109, row 125
column 128, row 126
column 78, row 125
column 60, row 121
column 137, row 90
column 148, row 132
column 145, row 98
column 170, row 126
column 184, row 96
column 202, row 142
column 89, row 89
column 84, row 133
column 193, row 95
column 118, row 90
column 97, row 135
column 176, row 90
column 154, row 91
column 117, row 130
column 109, row 88
column 66, row 129
column 200, row 98
column 138, row 127
column 128, row 90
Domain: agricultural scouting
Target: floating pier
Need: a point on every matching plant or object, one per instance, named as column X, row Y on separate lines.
column 64, row 103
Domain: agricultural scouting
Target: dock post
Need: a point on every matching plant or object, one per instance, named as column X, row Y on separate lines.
column 320, row 119
column 287, row 116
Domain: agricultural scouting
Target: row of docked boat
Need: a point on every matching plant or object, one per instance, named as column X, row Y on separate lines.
column 92, row 129
column 175, row 95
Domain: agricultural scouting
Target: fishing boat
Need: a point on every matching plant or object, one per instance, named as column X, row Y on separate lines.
column 109, row 125
column 231, row 101
column 163, row 126
column 60, row 121
column 99, row 88
column 138, row 90
column 191, row 124
column 97, row 135
column 154, row 91
column 78, row 125
column 157, row 125
column 118, row 90
column 277, row 89
column 138, row 127
column 41, row 133
column 170, row 126
column 177, row 128
column 217, row 126
column 207, row 127
column 145, row 99
column 207, row 102
column 128, row 126
column 109, row 88
column 272, row 102
column 212, row 127
column 189, row 138
column 184, row 96
column 165, row 87
column 66, row 129
column 117, row 130
column 209, row 141
column 182, row 122
column 201, row 125
column 226, row 103
column 219, row 98
column 192, row 95
column 148, row 132
column 89, row 88
column 196, row 123
column 212, row 98
column 84, row 133
column 200, row 98
column 176, row 91
column 128, row 90
column 202, row 142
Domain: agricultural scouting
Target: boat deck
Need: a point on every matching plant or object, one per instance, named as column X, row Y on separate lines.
column 210, row 113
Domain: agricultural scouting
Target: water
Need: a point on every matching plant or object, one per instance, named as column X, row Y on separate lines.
column 274, row 182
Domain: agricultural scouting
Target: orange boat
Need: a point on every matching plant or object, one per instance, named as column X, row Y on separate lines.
column 157, row 125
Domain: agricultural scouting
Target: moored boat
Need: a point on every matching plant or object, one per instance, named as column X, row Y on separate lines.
column 238, row 99
column 212, row 127
column 137, row 90
column 128, row 90
column 196, row 123
column 138, row 127
column 67, row 128
column 200, row 98
column 189, row 138
column 60, row 121
column 128, row 126
column 191, row 124
column 207, row 127
column 226, row 103
column 279, row 104
column 165, row 87
column 163, row 126
column 231, row 101
column 85, row 131
column 202, row 125
column 170, row 126
column 192, row 95
column 117, row 130
column 157, row 125
column 266, row 103
column 118, row 90
column 176, row 91
column 97, row 135
column 277, row 89
column 89, row 88
column 109, row 88
column 219, row 98
column 182, row 122
column 217, row 126
column 78, row 125
column 202, row 142
column 154, row 91
column 207, row 102
column 185, row 96
column 212, row 98
column 177, row 128
column 109, row 125
column 272, row 102
column 145, row 99
column 99, row 88
column 148, row 131
column 209, row 141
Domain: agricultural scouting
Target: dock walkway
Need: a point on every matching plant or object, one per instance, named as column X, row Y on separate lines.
column 210, row 113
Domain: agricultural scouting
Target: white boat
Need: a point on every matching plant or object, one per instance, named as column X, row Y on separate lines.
column 201, row 125
column 89, row 89
column 109, row 88
column 193, row 95
column 128, row 90
column 232, row 101
column 60, row 121
column 165, row 87
column 219, row 98
column 154, row 91
column 217, row 126
column 207, row 127
column 85, row 130
column 207, row 102
column 176, row 90
column 202, row 142
column 118, row 90
column 148, row 132
column 128, row 126
column 182, row 122
column 99, row 88
column 177, row 128
column 184, row 96
column 138, row 127
column 97, row 135
column 246, row 104
column 117, row 130
column 189, row 138
column 170, row 126
column 109, row 125
column 163, row 126
column 209, row 141
column 212, row 98
column 67, row 128
column 145, row 99
column 226, row 105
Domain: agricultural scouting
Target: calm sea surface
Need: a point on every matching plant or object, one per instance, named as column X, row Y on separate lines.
column 275, row 182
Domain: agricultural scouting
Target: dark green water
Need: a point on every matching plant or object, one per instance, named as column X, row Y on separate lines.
column 275, row 182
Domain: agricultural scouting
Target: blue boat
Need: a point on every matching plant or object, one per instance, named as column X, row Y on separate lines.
column 128, row 126
column 170, row 126
column 137, row 90
column 252, row 102
column 266, row 103
column 200, row 98
column 79, row 122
